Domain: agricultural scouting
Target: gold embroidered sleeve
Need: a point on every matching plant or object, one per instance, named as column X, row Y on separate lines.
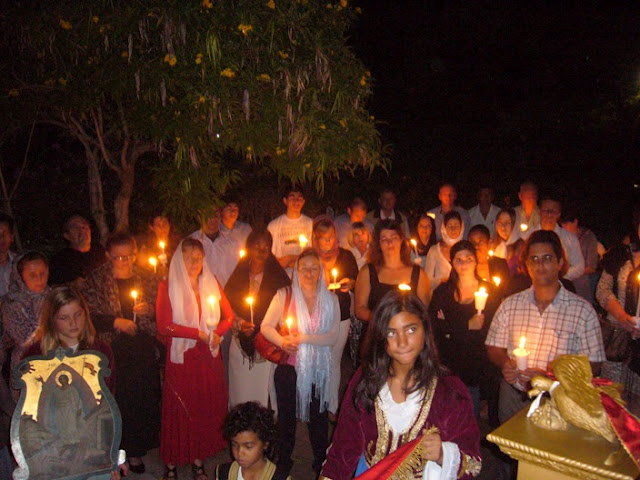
column 469, row 465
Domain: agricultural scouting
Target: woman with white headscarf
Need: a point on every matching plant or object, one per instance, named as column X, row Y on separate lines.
column 192, row 313
column 438, row 262
column 303, row 384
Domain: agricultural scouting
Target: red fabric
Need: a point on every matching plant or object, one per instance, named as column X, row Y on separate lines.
column 627, row 426
column 195, row 396
column 385, row 468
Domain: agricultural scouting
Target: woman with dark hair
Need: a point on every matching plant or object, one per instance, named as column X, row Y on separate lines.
column 617, row 293
column 425, row 238
column 389, row 266
column 65, row 322
column 325, row 243
column 402, row 397
column 21, row 307
column 459, row 329
column 193, row 313
column 507, row 243
column 125, row 321
column 251, row 431
column 438, row 262
column 259, row 276
column 308, row 318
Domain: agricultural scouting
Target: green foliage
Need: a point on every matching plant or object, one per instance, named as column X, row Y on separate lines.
column 273, row 81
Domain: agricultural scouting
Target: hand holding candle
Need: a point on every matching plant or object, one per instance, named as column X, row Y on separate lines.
column 163, row 256
column 481, row 299
column 134, row 295
column 249, row 300
column 522, row 355
column 289, row 323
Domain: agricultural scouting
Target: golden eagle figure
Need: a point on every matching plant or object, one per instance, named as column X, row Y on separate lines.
column 576, row 399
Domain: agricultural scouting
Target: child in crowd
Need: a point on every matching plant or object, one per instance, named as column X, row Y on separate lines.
column 250, row 429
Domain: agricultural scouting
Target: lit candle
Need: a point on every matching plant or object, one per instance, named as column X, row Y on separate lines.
column 163, row 256
column 162, row 245
column 432, row 215
column 303, row 241
column 249, row 300
column 404, row 287
column 524, row 227
column 334, row 285
column 209, row 318
column 414, row 243
column 289, row 323
column 638, row 306
column 522, row 355
column 491, row 253
column 497, row 281
column 481, row 299
column 154, row 261
column 242, row 253
column 134, row 295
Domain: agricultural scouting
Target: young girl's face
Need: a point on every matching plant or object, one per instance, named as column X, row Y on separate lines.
column 405, row 339
column 248, row 450
column 70, row 323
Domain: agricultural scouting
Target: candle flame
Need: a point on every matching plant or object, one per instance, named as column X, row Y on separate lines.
column 522, row 342
column 491, row 253
column 134, row 294
column 432, row 215
column 162, row 244
column 289, row 321
column 639, row 277
column 334, row 272
column 211, row 300
column 404, row 287
column 413, row 242
column 249, row 300
column 497, row 281
column 524, row 227
column 303, row 241
column 242, row 253
column 153, row 261
column 482, row 291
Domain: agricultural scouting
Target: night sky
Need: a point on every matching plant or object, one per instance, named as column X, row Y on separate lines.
column 498, row 92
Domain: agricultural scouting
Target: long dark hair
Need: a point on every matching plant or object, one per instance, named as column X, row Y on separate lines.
column 375, row 252
column 422, row 248
column 454, row 279
column 377, row 365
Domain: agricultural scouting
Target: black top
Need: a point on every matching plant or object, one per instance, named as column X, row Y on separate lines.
column 461, row 350
column 68, row 264
column 103, row 322
column 347, row 268
column 378, row 290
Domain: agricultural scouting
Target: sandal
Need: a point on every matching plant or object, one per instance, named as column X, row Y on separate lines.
column 198, row 472
column 170, row 473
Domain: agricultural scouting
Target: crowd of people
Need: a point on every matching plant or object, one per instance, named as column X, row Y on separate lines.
column 230, row 335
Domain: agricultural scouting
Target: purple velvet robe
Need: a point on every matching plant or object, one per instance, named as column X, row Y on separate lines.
column 447, row 406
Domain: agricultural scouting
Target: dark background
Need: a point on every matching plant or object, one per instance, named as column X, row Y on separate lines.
column 492, row 92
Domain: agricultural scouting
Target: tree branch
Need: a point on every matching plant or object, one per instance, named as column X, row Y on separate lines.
column 103, row 148
column 24, row 163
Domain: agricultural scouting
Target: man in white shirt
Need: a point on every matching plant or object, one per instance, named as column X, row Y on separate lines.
column 387, row 203
column 527, row 214
column 447, row 196
column 485, row 212
column 356, row 212
column 291, row 231
column 550, row 211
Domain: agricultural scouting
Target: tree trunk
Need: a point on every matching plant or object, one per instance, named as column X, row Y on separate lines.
column 96, row 195
column 122, row 201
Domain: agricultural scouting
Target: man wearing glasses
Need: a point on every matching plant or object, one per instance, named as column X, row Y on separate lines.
column 79, row 257
column 553, row 321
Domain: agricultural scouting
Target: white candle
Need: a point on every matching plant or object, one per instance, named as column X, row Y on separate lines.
column 242, row 253
column 154, row 261
column 432, row 215
column 404, row 287
column 414, row 243
column 249, row 300
column 209, row 318
column 134, row 294
column 497, row 281
column 481, row 299
column 522, row 355
column 163, row 256
column 303, row 241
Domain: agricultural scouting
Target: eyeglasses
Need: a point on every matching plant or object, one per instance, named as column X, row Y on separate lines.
column 123, row 258
column 541, row 259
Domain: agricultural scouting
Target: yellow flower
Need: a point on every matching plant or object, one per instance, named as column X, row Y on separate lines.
column 14, row 92
column 227, row 72
column 372, row 118
column 178, row 139
column 249, row 149
column 65, row 25
column 280, row 151
column 177, row 113
column 171, row 59
column 271, row 4
column 62, row 81
column 124, row 54
column 245, row 29
column 363, row 81
column 343, row 3
column 283, row 54
column 329, row 6
column 358, row 10
column 95, row 19
column 172, row 99
column 343, row 122
column 207, row 4
column 201, row 99
column 198, row 59
column 322, row 126
column 263, row 77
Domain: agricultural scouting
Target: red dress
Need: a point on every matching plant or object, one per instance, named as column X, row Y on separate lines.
column 194, row 396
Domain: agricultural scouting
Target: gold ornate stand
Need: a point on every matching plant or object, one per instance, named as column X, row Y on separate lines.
column 559, row 455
